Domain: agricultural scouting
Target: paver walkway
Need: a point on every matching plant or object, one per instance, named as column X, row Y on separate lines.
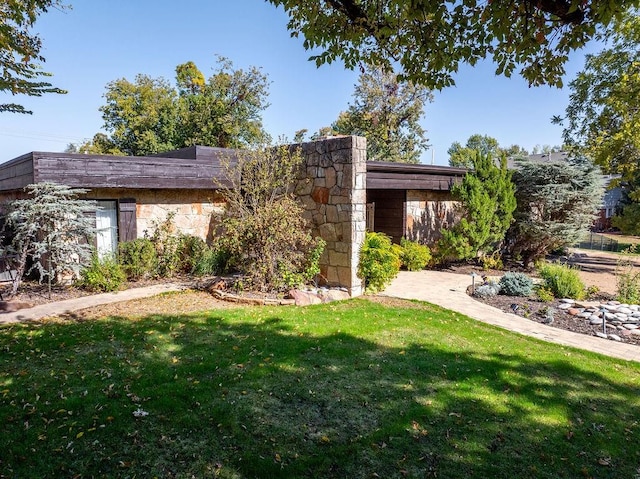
column 449, row 291
column 69, row 305
column 444, row 289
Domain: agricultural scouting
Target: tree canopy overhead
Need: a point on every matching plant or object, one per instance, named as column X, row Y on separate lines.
column 602, row 120
column 20, row 59
column 429, row 39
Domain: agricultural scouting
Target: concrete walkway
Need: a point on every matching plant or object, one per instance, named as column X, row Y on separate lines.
column 69, row 305
column 443, row 289
column 449, row 291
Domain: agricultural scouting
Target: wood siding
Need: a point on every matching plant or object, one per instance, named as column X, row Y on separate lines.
column 188, row 168
column 127, row 226
column 17, row 173
column 398, row 176
column 389, row 215
column 126, row 172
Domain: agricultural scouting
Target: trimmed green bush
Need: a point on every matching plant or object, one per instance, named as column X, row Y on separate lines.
column 102, row 275
column 414, row 256
column 138, row 258
column 544, row 294
column 516, row 284
column 379, row 263
column 562, row 280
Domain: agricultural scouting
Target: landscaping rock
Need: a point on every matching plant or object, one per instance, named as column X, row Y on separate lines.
column 574, row 311
column 304, row 298
column 333, row 295
column 615, row 337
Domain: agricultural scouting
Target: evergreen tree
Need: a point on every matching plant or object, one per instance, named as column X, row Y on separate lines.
column 487, row 202
column 556, row 206
column 49, row 232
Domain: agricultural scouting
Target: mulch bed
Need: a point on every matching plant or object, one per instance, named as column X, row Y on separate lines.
column 536, row 310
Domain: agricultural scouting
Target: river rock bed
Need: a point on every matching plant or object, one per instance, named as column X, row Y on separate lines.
column 614, row 319
column 585, row 317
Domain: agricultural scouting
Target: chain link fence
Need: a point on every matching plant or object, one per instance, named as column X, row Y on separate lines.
column 600, row 242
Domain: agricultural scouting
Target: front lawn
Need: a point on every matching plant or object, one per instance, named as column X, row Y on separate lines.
column 344, row 390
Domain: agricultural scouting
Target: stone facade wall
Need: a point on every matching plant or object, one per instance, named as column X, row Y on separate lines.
column 427, row 213
column 332, row 189
column 196, row 211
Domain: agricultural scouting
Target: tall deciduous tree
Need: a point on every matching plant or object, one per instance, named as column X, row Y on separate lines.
column 150, row 115
column 463, row 156
column 224, row 110
column 20, row 58
column 141, row 116
column 602, row 119
column 556, row 206
column 387, row 113
column 430, row 39
column 487, row 202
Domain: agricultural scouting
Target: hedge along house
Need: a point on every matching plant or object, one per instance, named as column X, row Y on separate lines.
column 341, row 193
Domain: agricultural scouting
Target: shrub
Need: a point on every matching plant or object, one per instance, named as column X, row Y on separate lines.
column 414, row 256
column 190, row 250
column 628, row 278
column 492, row 261
column 102, row 275
column 516, row 284
column 311, row 269
column 544, row 294
column 378, row 264
column 487, row 290
column 138, row 258
column 563, row 281
column 212, row 261
column 167, row 244
column 264, row 230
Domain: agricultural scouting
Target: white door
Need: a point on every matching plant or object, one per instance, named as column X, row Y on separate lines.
column 106, row 229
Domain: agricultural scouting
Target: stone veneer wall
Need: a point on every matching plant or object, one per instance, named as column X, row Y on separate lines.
column 427, row 213
column 332, row 188
column 196, row 211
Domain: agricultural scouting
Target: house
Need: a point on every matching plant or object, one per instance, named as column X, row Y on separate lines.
column 411, row 201
column 337, row 188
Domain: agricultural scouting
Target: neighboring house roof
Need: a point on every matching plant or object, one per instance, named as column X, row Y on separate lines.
column 194, row 167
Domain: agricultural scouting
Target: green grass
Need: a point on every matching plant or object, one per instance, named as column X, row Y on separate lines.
column 353, row 389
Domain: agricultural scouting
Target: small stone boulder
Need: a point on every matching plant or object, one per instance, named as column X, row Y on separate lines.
column 304, row 298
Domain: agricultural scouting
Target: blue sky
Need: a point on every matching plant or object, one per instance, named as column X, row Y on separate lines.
column 101, row 40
